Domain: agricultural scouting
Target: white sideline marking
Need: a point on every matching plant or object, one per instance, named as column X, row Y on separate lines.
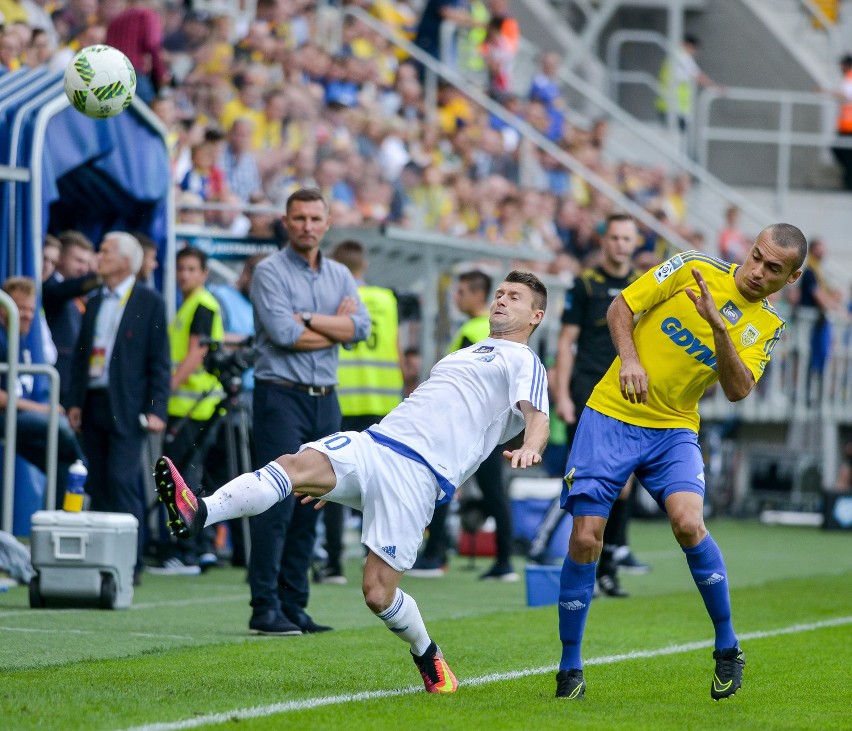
column 66, row 631
column 309, row 703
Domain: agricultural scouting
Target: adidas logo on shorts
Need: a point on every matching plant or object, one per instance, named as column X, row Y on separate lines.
column 390, row 551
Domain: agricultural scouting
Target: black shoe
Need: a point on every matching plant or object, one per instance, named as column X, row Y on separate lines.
column 272, row 623
column 609, row 585
column 303, row 621
column 628, row 563
column 500, row 572
column 186, row 513
column 728, row 676
column 570, row 684
column 329, row 575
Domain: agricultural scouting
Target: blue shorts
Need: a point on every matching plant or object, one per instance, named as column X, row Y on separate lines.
column 606, row 451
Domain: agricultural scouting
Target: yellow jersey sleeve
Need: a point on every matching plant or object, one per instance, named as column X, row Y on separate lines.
column 675, row 344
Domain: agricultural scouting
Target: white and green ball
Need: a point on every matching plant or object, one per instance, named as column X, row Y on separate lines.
column 100, row 81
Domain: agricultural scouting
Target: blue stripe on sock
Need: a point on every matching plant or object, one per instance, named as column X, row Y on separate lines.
column 394, row 608
column 279, row 478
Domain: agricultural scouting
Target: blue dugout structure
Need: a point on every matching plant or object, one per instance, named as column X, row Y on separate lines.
column 62, row 170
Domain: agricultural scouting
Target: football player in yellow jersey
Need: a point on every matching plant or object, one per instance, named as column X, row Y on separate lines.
column 702, row 320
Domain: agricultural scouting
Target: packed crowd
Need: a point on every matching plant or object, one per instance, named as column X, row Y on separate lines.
column 256, row 109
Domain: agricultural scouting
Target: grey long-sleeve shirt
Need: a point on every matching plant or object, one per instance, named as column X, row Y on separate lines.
column 283, row 285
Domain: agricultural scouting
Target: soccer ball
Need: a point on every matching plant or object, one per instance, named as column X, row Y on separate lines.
column 100, row 81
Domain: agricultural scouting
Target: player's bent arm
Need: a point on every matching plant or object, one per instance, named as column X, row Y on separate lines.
column 734, row 375
column 536, row 434
column 632, row 376
column 312, row 340
column 336, row 328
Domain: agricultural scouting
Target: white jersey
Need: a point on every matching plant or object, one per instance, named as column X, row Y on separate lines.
column 468, row 406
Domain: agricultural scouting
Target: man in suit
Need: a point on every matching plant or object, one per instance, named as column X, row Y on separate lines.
column 120, row 374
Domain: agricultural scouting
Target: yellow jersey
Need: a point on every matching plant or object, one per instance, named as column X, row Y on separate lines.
column 675, row 344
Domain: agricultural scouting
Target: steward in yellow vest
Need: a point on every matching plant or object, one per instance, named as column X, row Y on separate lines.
column 369, row 378
column 195, row 392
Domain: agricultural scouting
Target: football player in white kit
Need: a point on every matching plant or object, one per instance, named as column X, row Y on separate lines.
column 397, row 470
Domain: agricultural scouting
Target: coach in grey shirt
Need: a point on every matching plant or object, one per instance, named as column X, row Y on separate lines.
column 305, row 306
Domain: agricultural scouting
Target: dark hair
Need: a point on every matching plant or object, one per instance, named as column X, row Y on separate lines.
column 478, row 282
column 788, row 236
column 351, row 254
column 145, row 241
column 193, row 252
column 617, row 217
column 516, row 276
column 846, row 60
column 306, row 194
column 75, row 238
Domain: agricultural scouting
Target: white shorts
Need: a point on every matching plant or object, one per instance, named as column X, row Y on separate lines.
column 396, row 494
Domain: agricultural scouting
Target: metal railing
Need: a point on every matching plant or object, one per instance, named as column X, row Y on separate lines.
column 784, row 105
column 13, row 369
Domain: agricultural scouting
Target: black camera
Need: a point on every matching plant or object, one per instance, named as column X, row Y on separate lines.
column 229, row 364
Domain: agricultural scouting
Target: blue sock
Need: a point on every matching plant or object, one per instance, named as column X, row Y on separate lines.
column 711, row 577
column 576, row 587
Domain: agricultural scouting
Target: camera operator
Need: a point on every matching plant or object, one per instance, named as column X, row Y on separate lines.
column 305, row 306
column 195, row 393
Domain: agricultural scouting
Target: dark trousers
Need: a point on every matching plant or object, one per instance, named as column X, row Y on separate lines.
column 843, row 155
column 282, row 538
column 114, row 463
column 489, row 478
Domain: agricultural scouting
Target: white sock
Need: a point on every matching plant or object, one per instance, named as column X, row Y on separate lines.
column 403, row 618
column 249, row 494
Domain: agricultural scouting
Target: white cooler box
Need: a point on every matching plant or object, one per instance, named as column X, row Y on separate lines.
column 83, row 558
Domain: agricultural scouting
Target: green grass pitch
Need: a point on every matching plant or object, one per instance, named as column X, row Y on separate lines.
column 182, row 658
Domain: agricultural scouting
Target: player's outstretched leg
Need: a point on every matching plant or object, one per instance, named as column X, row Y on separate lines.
column 186, row 513
column 248, row 494
column 728, row 675
column 436, row 674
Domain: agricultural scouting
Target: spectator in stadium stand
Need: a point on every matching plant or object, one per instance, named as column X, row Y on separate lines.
column 40, row 50
column 396, row 471
column 51, row 250
column 820, row 300
column 435, row 12
column 238, row 162
column 733, row 243
column 546, row 88
column 149, row 265
column 138, row 33
column 844, row 121
column 120, row 371
column 10, row 52
column 33, row 391
column 704, row 321
column 206, row 179
column 64, row 295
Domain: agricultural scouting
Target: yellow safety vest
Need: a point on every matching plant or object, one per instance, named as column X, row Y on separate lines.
column 185, row 401
column 369, row 379
column 474, row 330
column 683, row 92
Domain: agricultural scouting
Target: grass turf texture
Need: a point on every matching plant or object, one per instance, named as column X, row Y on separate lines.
column 182, row 652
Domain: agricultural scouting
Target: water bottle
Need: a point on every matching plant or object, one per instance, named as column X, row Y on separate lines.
column 74, row 493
